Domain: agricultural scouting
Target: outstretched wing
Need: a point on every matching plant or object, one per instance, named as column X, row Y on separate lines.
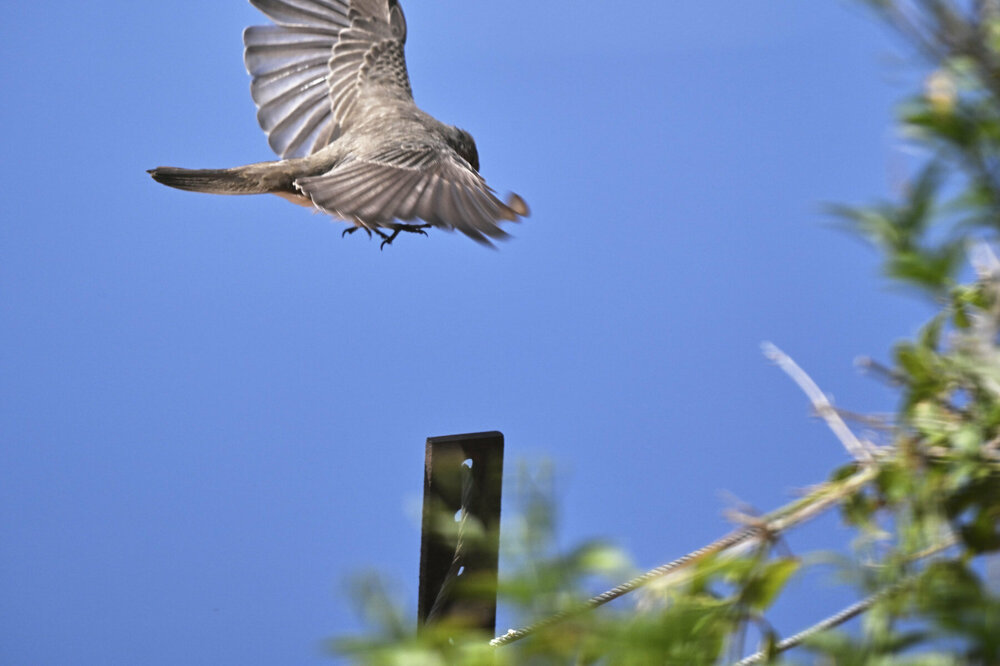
column 321, row 56
column 413, row 182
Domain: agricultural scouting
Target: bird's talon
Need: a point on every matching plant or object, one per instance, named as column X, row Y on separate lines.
column 351, row 230
column 409, row 228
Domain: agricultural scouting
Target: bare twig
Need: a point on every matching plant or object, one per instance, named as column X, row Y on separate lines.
column 883, row 422
column 860, row 451
column 888, row 375
column 909, row 26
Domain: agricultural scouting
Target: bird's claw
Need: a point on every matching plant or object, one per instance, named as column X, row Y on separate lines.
column 350, row 230
column 386, row 239
column 409, row 228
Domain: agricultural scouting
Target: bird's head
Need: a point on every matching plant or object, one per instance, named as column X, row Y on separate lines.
column 463, row 144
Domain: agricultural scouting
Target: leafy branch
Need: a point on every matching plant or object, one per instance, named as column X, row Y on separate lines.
column 923, row 500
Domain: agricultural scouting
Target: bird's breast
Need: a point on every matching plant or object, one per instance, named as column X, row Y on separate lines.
column 300, row 199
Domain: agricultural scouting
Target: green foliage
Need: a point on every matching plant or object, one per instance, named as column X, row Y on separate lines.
column 927, row 509
column 692, row 621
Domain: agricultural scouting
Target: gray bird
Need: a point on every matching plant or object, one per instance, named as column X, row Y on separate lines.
column 333, row 96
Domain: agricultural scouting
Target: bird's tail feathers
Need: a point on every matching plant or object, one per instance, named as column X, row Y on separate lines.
column 239, row 180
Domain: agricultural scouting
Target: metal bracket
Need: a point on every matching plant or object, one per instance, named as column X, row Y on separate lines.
column 460, row 542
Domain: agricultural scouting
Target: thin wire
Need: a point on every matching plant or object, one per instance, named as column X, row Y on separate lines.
column 726, row 542
column 853, row 610
column 836, row 620
column 825, row 497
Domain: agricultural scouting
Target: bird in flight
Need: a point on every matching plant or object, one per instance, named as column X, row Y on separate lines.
column 333, row 96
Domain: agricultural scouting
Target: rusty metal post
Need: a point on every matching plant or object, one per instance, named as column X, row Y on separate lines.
column 460, row 542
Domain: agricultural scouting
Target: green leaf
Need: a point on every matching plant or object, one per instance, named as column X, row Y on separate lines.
column 768, row 583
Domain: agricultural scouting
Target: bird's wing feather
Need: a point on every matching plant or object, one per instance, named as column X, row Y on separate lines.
column 368, row 60
column 322, row 56
column 412, row 182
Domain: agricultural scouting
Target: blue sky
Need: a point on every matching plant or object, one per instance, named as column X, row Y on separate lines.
column 213, row 409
